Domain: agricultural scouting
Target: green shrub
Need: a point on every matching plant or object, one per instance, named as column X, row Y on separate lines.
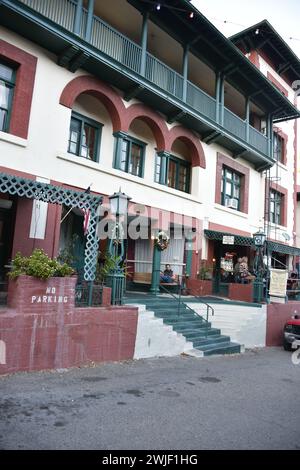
column 39, row 265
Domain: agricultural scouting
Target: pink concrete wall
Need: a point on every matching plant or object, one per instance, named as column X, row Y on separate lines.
column 42, row 329
column 277, row 315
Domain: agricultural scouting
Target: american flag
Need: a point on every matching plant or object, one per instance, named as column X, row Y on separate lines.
column 86, row 215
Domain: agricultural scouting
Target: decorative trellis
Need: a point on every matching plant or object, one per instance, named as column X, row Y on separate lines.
column 24, row 187
column 238, row 239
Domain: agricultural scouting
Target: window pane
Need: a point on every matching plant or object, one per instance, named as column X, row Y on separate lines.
column 157, row 174
column 135, row 159
column 172, row 174
column 4, row 95
column 236, row 192
column 74, row 136
column 182, row 183
column 123, row 159
column 3, row 117
column 88, row 142
column 6, row 73
column 228, row 188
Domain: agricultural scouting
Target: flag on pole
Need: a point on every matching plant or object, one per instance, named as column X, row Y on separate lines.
column 86, row 215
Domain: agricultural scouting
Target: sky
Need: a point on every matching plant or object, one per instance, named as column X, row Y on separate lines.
column 232, row 16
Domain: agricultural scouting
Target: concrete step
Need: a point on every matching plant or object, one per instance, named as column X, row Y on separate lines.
column 201, row 332
column 210, row 340
column 221, row 348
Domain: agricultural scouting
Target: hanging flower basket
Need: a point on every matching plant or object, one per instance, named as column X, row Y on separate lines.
column 162, row 241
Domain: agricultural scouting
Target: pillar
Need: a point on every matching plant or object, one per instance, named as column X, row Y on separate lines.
column 185, row 71
column 155, row 278
column 144, row 41
column 78, row 17
column 89, row 21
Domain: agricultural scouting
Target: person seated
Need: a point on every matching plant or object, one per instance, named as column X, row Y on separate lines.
column 168, row 275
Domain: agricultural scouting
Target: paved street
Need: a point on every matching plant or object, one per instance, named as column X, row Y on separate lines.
column 250, row 401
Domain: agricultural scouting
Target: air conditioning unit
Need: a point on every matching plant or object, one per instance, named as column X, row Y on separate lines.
column 232, row 203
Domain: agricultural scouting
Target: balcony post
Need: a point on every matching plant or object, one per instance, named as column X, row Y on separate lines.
column 185, row 70
column 78, row 17
column 89, row 21
column 222, row 96
column 144, row 41
column 218, row 83
column 247, row 119
column 270, row 135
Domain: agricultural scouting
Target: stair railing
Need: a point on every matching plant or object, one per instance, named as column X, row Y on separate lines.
column 180, row 302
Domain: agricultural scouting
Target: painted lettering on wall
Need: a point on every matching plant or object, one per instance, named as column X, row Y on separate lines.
column 50, row 297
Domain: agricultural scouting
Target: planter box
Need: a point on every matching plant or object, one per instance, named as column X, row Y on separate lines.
column 28, row 294
column 242, row 292
column 199, row 287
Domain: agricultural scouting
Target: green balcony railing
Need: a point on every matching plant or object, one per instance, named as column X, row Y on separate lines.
column 163, row 76
column 115, row 45
column 129, row 54
column 61, row 12
column 234, row 124
column 200, row 101
column 258, row 140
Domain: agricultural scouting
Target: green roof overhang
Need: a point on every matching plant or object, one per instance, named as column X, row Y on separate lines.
column 240, row 240
column 286, row 61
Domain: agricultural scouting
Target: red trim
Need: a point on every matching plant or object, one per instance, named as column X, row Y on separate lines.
column 122, row 118
column 154, row 121
column 224, row 228
column 25, row 75
column 223, row 160
column 193, row 143
column 284, row 192
column 278, row 85
column 272, row 64
column 254, row 58
column 92, row 86
column 295, row 178
column 284, row 137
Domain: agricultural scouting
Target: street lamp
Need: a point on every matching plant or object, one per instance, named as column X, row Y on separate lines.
column 259, row 239
column 116, row 277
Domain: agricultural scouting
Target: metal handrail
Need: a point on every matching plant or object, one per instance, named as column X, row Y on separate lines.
column 180, row 301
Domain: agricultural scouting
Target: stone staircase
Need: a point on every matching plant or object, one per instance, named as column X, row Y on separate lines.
column 185, row 321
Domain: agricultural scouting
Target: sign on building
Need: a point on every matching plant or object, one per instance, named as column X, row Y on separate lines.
column 228, row 240
column 278, row 281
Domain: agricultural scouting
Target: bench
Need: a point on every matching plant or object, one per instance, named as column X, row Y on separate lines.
column 145, row 278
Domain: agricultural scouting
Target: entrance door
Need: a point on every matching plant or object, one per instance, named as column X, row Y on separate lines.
column 5, row 245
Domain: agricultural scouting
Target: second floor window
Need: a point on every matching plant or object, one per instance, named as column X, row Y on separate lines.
column 278, row 147
column 130, row 155
column 6, row 95
column 84, row 138
column 173, row 172
column 276, row 200
column 231, row 189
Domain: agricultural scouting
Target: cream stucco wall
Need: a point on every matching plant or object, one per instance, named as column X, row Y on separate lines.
column 45, row 154
column 284, row 175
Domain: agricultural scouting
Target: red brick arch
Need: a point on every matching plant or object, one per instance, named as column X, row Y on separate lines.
column 192, row 142
column 152, row 119
column 92, row 86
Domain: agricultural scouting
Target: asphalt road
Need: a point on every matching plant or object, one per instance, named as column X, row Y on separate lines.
column 249, row 401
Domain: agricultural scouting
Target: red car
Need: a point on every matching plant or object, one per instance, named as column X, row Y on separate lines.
column 292, row 333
